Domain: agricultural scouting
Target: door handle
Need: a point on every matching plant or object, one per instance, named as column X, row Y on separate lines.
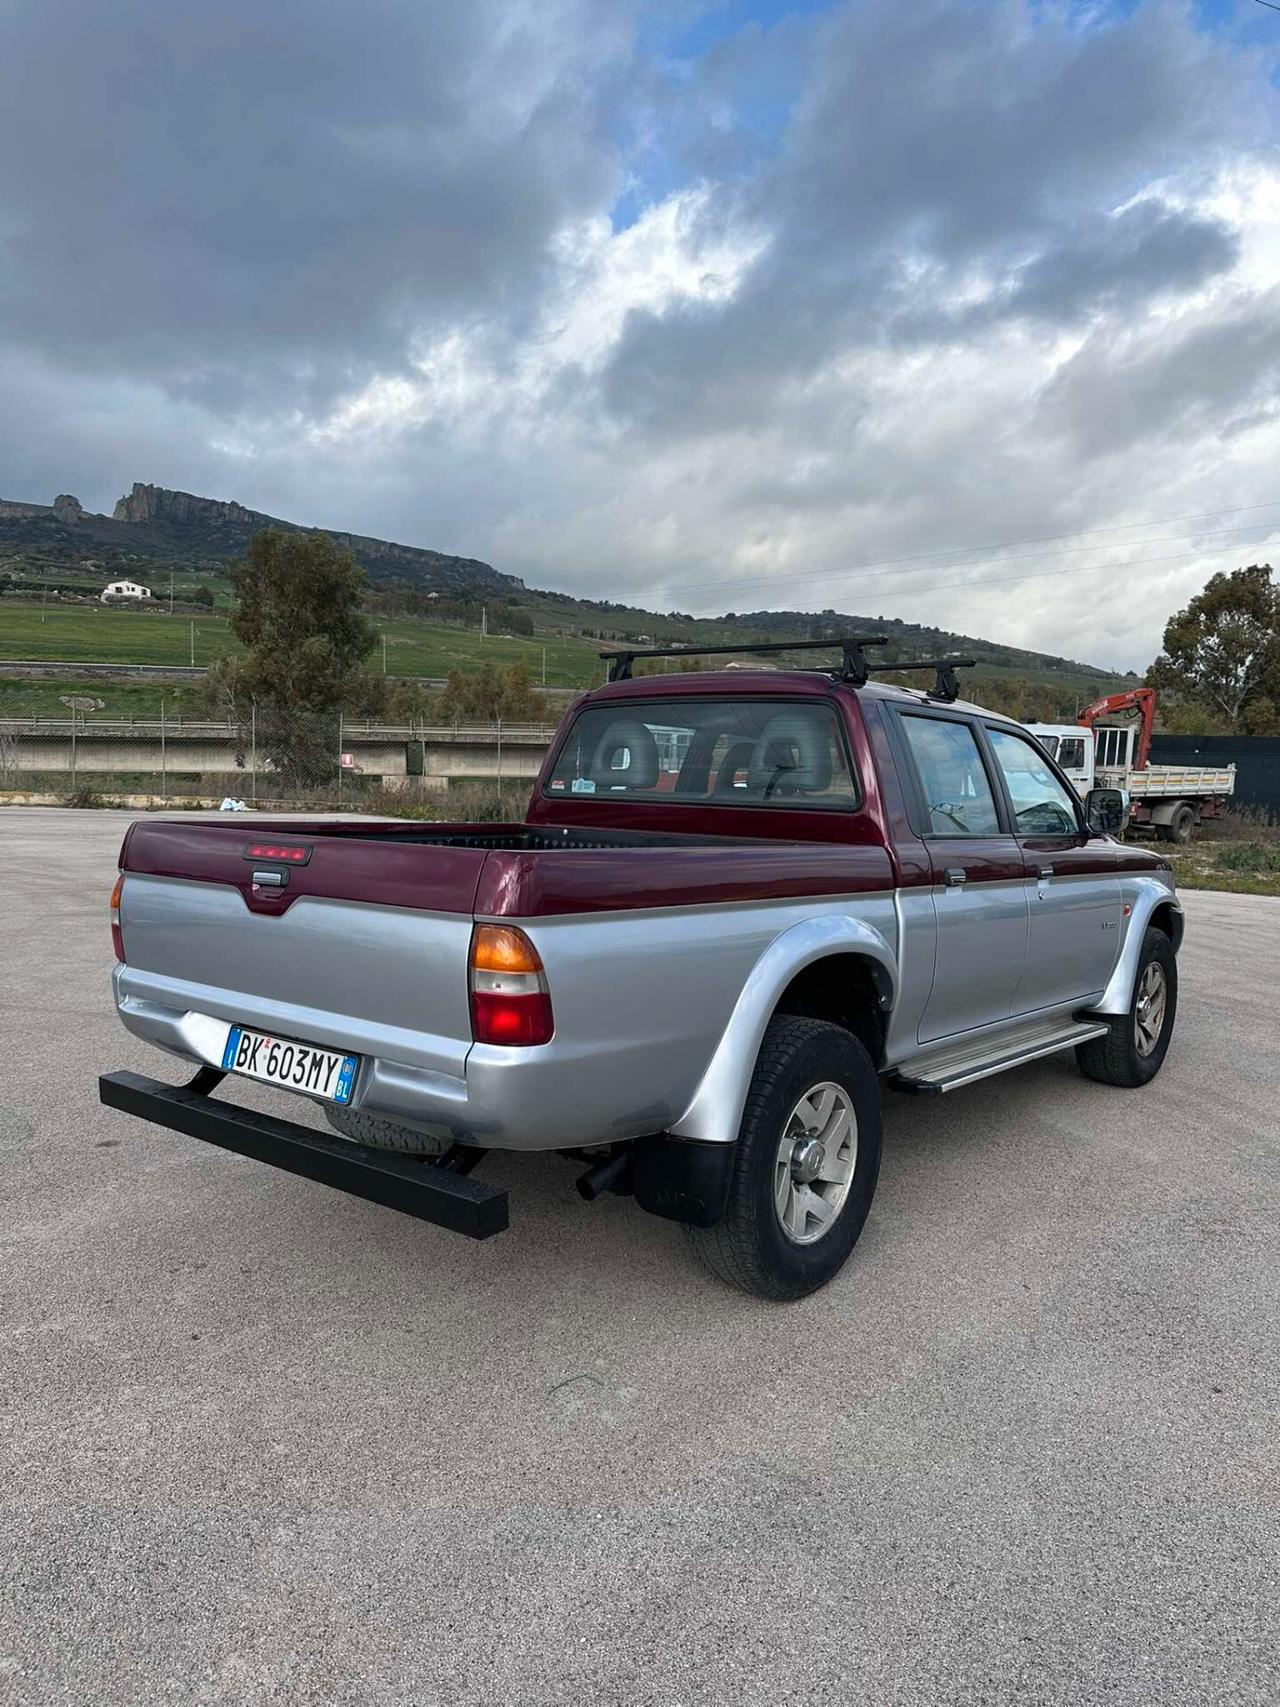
column 954, row 876
column 1046, row 871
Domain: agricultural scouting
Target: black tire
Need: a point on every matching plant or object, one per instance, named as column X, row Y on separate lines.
column 380, row 1134
column 1180, row 826
column 1117, row 1059
column 748, row 1247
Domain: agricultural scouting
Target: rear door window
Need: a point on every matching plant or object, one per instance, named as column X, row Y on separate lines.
column 724, row 752
column 958, row 798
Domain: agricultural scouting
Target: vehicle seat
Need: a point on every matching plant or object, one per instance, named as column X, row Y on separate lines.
column 626, row 758
column 792, row 756
column 738, row 758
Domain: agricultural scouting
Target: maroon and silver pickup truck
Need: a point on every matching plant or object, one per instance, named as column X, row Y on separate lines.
column 736, row 905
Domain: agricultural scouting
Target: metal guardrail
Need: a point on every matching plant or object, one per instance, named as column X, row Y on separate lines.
column 150, row 729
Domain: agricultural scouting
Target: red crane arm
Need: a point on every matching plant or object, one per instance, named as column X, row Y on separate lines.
column 1141, row 700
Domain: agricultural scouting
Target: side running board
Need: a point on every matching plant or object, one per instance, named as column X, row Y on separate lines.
column 965, row 1063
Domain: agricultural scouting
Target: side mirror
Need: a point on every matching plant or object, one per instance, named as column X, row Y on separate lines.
column 1106, row 809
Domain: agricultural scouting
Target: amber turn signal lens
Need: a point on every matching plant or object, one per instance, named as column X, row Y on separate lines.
column 117, row 939
column 502, row 948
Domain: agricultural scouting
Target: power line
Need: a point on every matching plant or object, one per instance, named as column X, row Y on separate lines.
column 877, row 563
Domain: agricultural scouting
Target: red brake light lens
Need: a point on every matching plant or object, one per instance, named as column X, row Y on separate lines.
column 510, row 1002
column 292, row 853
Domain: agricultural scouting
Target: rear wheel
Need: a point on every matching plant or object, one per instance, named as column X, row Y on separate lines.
column 1180, row 826
column 805, row 1164
column 1133, row 1051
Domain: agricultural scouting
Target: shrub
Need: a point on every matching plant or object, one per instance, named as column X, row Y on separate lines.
column 1252, row 857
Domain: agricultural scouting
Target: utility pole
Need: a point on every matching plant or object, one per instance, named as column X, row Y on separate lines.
column 193, row 644
column 544, row 666
column 484, row 621
column 384, row 652
column 171, row 592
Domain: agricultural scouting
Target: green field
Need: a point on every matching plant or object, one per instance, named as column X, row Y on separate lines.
column 102, row 634
column 89, row 634
column 414, row 647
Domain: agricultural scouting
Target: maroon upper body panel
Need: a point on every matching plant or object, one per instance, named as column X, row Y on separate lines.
column 538, row 884
column 650, row 853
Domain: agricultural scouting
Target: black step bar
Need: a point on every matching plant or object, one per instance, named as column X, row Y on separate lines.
column 414, row 1186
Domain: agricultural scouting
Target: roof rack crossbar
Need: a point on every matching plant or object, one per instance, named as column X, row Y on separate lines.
column 853, row 664
column 945, row 685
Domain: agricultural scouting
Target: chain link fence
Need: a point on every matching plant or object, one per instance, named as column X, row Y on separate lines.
column 147, row 747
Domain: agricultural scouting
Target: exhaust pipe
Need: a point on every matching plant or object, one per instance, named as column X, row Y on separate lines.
column 611, row 1173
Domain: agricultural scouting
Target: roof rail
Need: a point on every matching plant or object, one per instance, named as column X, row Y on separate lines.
column 853, row 664
column 945, row 685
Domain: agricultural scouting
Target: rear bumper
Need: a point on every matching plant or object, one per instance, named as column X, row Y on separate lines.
column 411, row 1186
column 557, row 1096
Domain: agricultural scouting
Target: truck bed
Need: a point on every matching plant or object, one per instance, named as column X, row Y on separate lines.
column 1175, row 781
column 365, row 949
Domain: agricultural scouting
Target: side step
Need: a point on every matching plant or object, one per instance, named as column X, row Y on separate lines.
column 418, row 1188
column 965, row 1063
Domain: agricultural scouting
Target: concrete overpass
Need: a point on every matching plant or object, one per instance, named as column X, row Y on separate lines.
column 395, row 753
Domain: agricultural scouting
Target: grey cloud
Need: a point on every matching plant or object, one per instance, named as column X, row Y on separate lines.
column 1167, row 383
column 1147, row 250
column 255, row 204
column 936, row 139
column 214, row 217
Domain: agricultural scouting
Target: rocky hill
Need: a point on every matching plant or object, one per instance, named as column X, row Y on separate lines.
column 154, row 529
column 154, row 524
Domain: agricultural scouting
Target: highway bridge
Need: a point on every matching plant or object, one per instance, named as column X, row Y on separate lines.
column 98, row 747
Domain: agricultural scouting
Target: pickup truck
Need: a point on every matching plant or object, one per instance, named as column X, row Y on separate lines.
column 736, row 907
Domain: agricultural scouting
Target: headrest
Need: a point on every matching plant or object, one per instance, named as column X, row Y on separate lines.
column 611, row 768
column 792, row 756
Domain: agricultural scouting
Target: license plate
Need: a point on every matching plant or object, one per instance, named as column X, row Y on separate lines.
column 322, row 1073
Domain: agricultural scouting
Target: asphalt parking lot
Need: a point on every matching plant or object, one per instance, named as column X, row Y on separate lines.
column 263, row 1443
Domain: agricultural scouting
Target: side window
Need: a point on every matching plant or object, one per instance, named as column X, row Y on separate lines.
column 1042, row 806
column 956, row 791
column 1071, row 753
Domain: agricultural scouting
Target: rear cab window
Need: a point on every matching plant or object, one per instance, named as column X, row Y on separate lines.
column 717, row 752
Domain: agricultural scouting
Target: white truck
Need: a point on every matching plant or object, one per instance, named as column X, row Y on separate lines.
column 1110, row 747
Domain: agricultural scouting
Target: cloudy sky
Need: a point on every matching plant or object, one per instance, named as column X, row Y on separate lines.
column 955, row 311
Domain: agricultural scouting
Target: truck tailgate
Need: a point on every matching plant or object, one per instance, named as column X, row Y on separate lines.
column 364, row 948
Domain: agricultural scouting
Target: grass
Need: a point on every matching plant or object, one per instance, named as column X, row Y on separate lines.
column 1242, row 858
column 414, row 646
column 101, row 634
column 41, row 696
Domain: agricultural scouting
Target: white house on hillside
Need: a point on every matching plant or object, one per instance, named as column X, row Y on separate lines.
column 124, row 590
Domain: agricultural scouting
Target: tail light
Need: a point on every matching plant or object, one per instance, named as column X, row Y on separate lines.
column 509, row 998
column 117, row 939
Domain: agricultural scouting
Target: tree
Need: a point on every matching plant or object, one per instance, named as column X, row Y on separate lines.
column 201, row 595
column 1223, row 650
column 298, row 617
column 486, row 695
